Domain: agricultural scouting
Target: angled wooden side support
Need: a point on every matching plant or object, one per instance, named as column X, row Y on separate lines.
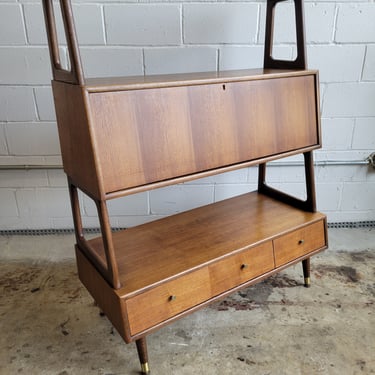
column 108, row 269
column 108, row 243
column 307, row 205
column 300, row 61
column 75, row 74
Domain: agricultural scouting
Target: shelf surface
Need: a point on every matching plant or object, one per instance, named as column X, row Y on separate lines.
column 160, row 250
column 104, row 84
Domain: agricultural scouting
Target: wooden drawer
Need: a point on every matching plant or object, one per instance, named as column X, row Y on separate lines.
column 167, row 300
column 299, row 243
column 237, row 269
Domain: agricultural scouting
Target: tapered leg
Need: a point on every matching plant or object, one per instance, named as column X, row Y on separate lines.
column 306, row 272
column 142, row 354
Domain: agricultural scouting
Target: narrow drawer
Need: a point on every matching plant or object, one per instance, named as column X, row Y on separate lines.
column 237, row 269
column 166, row 300
column 299, row 243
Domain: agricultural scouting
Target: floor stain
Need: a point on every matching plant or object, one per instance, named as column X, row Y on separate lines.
column 281, row 281
column 346, row 273
column 362, row 256
column 18, row 278
column 183, row 334
column 48, row 322
column 257, row 296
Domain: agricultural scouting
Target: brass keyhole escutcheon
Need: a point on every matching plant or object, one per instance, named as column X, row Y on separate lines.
column 172, row 298
column 244, row 266
column 301, row 242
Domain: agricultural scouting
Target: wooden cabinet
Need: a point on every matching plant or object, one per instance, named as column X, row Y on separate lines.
column 177, row 264
column 124, row 135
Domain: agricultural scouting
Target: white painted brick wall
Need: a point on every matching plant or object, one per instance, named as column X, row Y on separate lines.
column 131, row 37
column 220, row 23
column 17, row 103
column 12, row 30
column 173, row 199
column 331, row 127
column 3, row 143
column 115, row 61
column 143, row 24
column 358, row 98
column 355, row 23
column 24, row 65
column 37, row 138
column 180, row 60
column 8, row 204
column 337, row 63
column 44, row 103
column 368, row 69
column 364, row 134
column 89, row 33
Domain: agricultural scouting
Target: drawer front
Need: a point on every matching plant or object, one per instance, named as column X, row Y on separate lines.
column 237, row 269
column 299, row 243
column 167, row 300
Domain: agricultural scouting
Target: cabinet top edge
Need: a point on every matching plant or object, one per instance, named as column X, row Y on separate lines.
column 105, row 84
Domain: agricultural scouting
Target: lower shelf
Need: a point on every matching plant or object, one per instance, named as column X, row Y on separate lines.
column 173, row 266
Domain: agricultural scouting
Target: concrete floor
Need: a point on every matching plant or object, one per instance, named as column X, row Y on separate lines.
column 49, row 325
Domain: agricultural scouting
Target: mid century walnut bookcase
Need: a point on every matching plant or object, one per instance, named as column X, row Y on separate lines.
column 125, row 135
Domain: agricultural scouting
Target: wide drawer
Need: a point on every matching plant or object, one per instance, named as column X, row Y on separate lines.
column 299, row 243
column 237, row 269
column 167, row 300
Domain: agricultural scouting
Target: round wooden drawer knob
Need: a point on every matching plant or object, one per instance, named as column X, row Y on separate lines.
column 301, row 242
column 172, row 298
column 244, row 266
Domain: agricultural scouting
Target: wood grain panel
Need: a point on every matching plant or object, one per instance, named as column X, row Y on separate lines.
column 167, row 300
column 105, row 296
column 156, row 251
column 299, row 243
column 237, row 269
column 103, row 84
column 76, row 145
column 150, row 135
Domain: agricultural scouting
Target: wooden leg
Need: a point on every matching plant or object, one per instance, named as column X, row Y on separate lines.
column 306, row 272
column 142, row 354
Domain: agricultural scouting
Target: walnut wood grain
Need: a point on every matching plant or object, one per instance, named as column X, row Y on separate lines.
column 111, row 84
column 143, row 136
column 173, row 297
column 163, row 249
column 239, row 268
column 299, row 243
column 104, row 295
column 167, row 300
column 76, row 143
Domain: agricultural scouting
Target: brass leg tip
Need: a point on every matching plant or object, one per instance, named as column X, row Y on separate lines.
column 307, row 282
column 144, row 368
